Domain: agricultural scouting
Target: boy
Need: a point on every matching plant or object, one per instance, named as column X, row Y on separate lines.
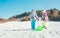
column 33, row 17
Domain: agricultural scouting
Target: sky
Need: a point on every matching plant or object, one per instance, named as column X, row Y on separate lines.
column 10, row 8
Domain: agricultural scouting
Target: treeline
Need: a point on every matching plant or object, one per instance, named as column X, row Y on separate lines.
column 53, row 14
column 20, row 15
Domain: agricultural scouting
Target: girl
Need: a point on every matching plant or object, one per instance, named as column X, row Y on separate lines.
column 44, row 18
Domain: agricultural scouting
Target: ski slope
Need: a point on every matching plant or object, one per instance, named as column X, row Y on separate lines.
column 17, row 29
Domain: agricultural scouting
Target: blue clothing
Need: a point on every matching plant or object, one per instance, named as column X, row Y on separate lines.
column 33, row 24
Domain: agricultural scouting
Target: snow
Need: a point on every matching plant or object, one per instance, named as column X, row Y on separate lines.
column 17, row 29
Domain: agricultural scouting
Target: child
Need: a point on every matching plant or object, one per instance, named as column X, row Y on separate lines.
column 33, row 17
column 44, row 18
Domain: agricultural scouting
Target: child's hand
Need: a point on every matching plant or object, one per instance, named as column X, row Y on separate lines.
column 37, row 19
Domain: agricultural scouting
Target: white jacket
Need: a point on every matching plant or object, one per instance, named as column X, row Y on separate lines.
column 33, row 16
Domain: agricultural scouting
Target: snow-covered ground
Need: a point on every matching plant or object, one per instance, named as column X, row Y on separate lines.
column 17, row 29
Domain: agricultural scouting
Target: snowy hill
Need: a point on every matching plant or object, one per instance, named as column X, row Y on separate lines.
column 17, row 29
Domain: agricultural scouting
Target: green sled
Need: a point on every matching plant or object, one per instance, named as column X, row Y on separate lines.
column 40, row 28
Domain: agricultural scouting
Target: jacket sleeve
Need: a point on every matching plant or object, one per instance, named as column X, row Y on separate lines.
column 36, row 17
